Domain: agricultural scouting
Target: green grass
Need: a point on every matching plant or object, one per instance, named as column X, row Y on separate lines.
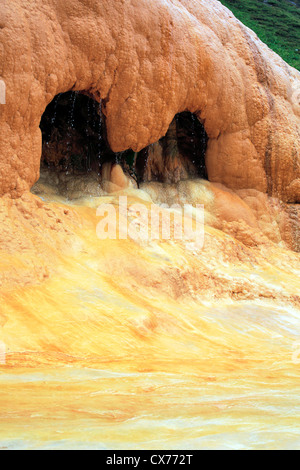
column 276, row 22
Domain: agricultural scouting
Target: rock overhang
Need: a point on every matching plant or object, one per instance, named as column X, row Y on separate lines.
column 148, row 61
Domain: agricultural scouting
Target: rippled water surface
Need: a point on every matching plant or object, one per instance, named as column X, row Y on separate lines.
column 102, row 356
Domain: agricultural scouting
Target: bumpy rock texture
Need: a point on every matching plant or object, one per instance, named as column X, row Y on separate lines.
column 148, row 61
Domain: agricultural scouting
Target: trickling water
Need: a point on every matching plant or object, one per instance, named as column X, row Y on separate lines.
column 71, row 121
column 53, row 118
column 118, row 157
column 72, row 109
column 99, row 137
column 87, row 133
column 56, row 100
column 159, row 351
column 193, row 140
column 75, row 129
column 150, row 149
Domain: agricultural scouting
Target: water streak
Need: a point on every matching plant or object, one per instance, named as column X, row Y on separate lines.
column 99, row 136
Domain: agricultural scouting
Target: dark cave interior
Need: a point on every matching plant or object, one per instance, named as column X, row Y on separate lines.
column 75, row 141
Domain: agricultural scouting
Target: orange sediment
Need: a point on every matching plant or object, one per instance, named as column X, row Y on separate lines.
column 159, row 344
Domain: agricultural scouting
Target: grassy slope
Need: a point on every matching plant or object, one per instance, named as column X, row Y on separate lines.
column 276, row 22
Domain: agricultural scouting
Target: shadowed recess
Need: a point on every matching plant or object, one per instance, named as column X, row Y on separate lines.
column 75, row 142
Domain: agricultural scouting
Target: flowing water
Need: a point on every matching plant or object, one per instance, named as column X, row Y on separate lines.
column 71, row 122
column 100, row 130
column 133, row 345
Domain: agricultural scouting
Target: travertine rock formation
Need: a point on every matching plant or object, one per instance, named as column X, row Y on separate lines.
column 147, row 61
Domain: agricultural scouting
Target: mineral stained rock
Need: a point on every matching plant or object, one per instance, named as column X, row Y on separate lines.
column 148, row 61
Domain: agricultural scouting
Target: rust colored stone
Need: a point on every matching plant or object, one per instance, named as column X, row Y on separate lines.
column 148, row 61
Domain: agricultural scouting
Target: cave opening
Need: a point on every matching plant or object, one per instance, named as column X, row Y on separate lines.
column 75, row 143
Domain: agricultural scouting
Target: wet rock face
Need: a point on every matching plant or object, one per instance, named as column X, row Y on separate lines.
column 179, row 155
column 75, row 141
column 149, row 61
